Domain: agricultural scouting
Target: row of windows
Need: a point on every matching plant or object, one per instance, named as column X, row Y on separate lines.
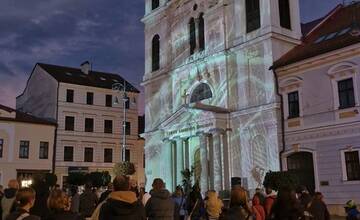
column 89, row 125
column 90, row 99
column 346, row 98
column 24, row 149
column 89, row 154
column 252, row 23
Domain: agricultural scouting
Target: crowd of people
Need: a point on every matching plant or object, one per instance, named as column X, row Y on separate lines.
column 122, row 201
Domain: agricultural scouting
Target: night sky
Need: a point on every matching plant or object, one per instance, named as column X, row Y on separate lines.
column 67, row 32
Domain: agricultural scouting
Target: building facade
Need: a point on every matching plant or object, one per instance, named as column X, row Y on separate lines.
column 90, row 118
column 210, row 98
column 26, row 146
column 319, row 82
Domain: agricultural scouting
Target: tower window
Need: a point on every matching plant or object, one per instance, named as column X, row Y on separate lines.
column 252, row 15
column 192, row 36
column 284, row 10
column 156, row 53
column 155, row 4
column 201, row 92
column 201, row 32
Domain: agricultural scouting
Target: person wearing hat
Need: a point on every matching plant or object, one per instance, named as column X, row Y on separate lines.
column 351, row 211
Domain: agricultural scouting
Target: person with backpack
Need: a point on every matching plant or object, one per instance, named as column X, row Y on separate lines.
column 25, row 199
column 8, row 202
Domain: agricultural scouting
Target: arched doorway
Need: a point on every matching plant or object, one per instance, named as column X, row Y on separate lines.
column 302, row 164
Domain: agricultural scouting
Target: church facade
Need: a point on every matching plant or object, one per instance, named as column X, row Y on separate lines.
column 210, row 99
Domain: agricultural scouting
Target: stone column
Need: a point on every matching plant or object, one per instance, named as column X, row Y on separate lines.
column 166, row 168
column 204, row 186
column 179, row 160
column 187, row 154
column 217, row 172
column 225, row 161
column 210, row 148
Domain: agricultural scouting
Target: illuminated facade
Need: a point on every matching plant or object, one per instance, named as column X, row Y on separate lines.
column 210, row 97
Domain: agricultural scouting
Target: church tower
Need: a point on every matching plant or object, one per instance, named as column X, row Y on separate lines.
column 210, row 98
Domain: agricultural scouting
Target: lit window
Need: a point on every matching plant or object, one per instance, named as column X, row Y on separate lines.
column 201, row 92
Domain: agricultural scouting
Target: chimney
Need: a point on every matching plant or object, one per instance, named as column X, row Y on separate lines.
column 85, row 67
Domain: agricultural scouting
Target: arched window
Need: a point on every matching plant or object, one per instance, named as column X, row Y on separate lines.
column 192, row 36
column 155, row 4
column 155, row 53
column 201, row 92
column 201, row 32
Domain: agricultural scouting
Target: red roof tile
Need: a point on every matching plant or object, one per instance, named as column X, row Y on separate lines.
column 331, row 34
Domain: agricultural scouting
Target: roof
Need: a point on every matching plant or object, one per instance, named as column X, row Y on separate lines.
column 307, row 27
column 94, row 78
column 330, row 34
column 24, row 117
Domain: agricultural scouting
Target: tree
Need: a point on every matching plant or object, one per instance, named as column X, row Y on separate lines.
column 187, row 180
column 124, row 168
column 98, row 179
column 76, row 179
column 50, row 179
column 277, row 180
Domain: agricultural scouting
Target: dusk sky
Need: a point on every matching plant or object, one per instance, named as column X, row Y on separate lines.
column 108, row 33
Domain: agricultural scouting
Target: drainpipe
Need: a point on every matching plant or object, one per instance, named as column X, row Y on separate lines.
column 282, row 117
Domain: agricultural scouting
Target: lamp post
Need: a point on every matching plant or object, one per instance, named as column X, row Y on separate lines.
column 121, row 87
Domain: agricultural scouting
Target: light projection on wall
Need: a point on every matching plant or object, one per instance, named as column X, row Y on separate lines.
column 232, row 132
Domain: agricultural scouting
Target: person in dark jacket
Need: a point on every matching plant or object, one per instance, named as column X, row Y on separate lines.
column 59, row 206
column 286, row 206
column 75, row 199
column 160, row 206
column 195, row 202
column 8, row 202
column 318, row 209
column 42, row 194
column 122, row 203
column 88, row 202
column 105, row 194
column 25, row 199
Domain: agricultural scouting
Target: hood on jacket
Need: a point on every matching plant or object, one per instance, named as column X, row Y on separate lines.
column 124, row 196
column 10, row 193
column 161, row 194
column 273, row 194
column 123, row 203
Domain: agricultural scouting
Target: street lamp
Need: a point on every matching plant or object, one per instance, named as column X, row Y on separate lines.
column 121, row 88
